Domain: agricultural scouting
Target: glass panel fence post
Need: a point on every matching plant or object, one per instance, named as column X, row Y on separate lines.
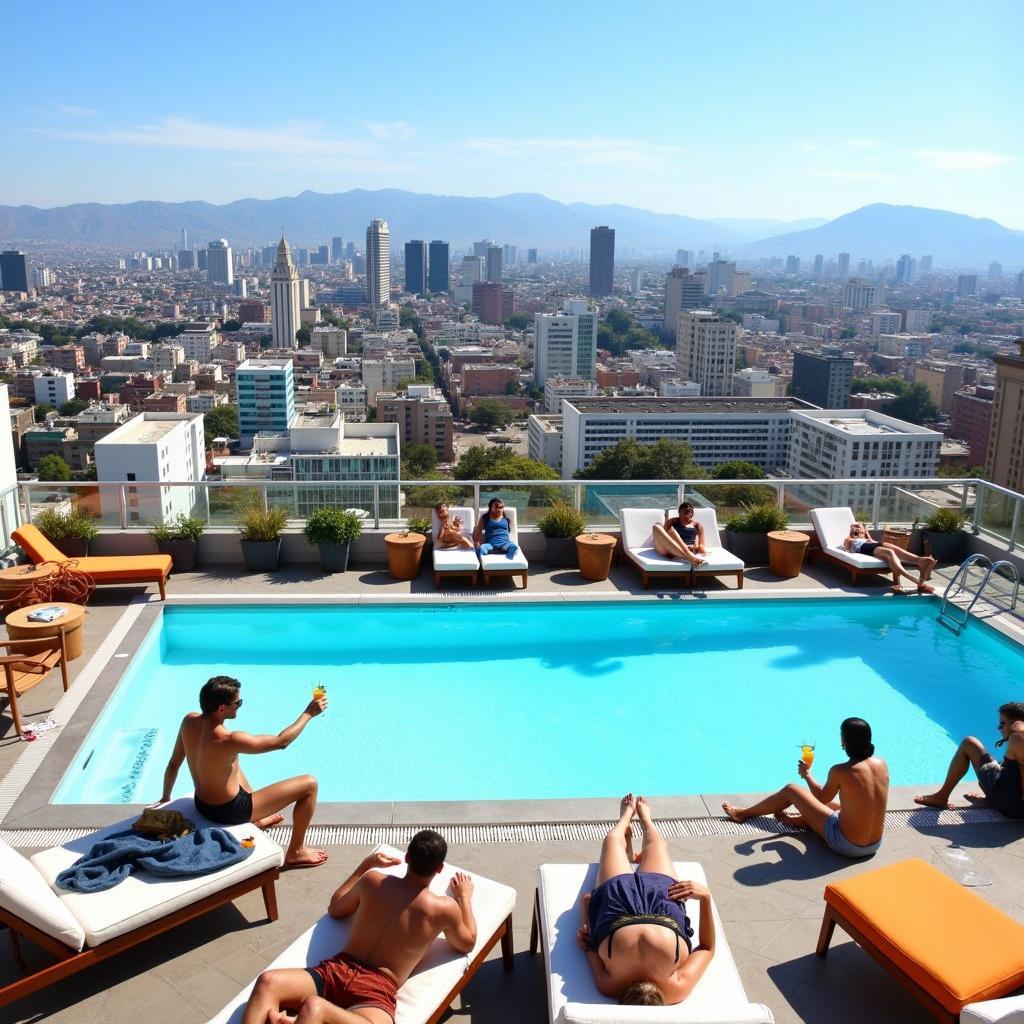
column 376, row 506
column 25, row 491
column 578, row 496
column 265, row 492
column 476, row 498
column 979, row 494
column 876, row 503
column 122, row 506
column 780, row 488
column 1014, row 526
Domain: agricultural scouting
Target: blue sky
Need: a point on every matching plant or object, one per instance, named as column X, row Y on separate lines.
column 785, row 110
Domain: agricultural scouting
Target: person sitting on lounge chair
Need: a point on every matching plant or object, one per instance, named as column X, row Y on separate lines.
column 394, row 921
column 1002, row 784
column 493, row 533
column 681, row 537
column 852, row 829
column 449, row 534
column 860, row 543
column 634, row 928
column 223, row 793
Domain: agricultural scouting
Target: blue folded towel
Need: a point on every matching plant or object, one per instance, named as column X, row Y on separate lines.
column 113, row 859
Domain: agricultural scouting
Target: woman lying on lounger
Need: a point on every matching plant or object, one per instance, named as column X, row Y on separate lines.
column 682, row 536
column 633, row 926
column 860, row 542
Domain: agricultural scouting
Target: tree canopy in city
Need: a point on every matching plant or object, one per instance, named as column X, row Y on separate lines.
column 630, row 460
column 73, row 407
column 499, row 462
column 490, row 414
column 221, row 421
column 53, row 467
column 418, row 460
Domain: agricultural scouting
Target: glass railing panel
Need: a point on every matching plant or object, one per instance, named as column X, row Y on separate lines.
column 732, row 497
column 530, row 501
column 995, row 514
column 799, row 498
column 419, row 499
column 226, row 501
column 601, row 502
column 907, row 504
column 99, row 502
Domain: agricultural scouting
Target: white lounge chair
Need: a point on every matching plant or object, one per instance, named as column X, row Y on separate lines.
column 441, row 974
column 636, row 526
column 82, row 929
column 573, row 998
column 832, row 525
column 450, row 562
column 719, row 561
column 994, row 1011
column 499, row 565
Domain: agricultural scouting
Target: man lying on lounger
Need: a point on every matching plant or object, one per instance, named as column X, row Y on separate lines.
column 852, row 828
column 1002, row 784
column 642, row 914
column 223, row 793
column 394, row 921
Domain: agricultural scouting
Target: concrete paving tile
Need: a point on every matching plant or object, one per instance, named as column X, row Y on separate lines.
column 212, row 990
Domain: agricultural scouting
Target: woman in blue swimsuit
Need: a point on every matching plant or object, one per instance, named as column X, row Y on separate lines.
column 634, row 928
column 493, row 534
column 682, row 536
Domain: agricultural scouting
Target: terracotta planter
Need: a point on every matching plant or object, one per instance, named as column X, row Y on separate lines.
column 786, row 549
column 595, row 551
column 405, row 552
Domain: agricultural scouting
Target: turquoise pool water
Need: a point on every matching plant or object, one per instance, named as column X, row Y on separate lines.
column 527, row 701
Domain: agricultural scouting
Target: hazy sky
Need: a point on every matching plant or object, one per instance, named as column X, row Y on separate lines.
column 791, row 109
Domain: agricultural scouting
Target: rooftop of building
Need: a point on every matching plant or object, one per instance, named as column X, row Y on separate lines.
column 147, row 428
column 264, row 364
column 863, row 422
column 689, row 405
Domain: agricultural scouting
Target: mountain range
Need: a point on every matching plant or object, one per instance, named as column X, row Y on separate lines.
column 879, row 231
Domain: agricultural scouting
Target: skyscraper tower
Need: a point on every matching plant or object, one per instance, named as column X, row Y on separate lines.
column 494, row 264
column 15, row 271
column 602, row 260
column 416, row 267
column 843, row 265
column 184, row 238
column 337, row 249
column 438, row 266
column 378, row 264
column 219, row 263
column 285, row 305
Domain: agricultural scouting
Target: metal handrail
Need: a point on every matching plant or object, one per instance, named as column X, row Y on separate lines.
column 957, row 624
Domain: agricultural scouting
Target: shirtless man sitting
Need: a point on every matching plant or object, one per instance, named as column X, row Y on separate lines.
column 449, row 531
column 851, row 829
column 1002, row 784
column 394, row 921
column 223, row 793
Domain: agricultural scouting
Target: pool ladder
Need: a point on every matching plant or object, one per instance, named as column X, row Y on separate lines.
column 956, row 617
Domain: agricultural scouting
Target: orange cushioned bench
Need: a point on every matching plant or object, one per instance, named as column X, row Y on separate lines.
column 104, row 569
column 941, row 941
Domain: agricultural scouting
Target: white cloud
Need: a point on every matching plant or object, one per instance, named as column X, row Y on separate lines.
column 962, row 159
column 592, row 151
column 861, row 143
column 390, row 130
column 846, row 174
column 73, row 111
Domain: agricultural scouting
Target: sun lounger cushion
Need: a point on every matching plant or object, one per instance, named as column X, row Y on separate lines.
column 456, row 559
column 103, row 569
column 718, row 997
column 499, row 563
column 143, row 898
column 956, row 946
column 994, row 1011
column 636, row 526
column 25, row 893
column 718, row 559
column 832, row 525
column 438, row 972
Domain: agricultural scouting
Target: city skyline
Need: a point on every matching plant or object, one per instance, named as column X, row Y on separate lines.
column 762, row 137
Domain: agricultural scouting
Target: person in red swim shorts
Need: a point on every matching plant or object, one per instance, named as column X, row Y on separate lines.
column 394, row 921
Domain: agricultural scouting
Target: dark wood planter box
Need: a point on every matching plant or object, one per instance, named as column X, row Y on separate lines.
column 751, row 547
column 261, row 555
column 334, row 557
column 182, row 552
column 560, row 552
column 73, row 547
column 946, row 547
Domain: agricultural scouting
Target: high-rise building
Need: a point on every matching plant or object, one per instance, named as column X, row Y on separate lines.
column 905, row 267
column 684, row 258
column 337, row 249
column 480, row 248
column 1005, row 462
column 423, row 416
column 491, row 302
column 323, row 255
column 1019, row 290
column 966, row 285
column 565, row 344
column 792, row 265
column 719, row 276
column 220, row 267
column 15, row 271
column 683, row 290
column 859, row 295
column 822, row 379
column 438, row 267
column 494, row 264
column 926, row 265
column 266, row 396
column 378, row 264
column 995, row 270
column 510, row 255
column 972, row 421
column 350, row 250
column 843, row 266
column 943, row 380
column 531, row 255
column 706, row 350
column 184, row 238
column 186, row 259
column 819, row 265
column 602, row 261
column 416, row 267
column 285, row 299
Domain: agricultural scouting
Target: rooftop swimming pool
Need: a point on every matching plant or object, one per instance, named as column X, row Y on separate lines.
column 534, row 701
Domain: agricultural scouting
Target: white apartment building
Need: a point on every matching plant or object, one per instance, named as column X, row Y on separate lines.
column 19, row 347
column 54, row 388
column 752, row 383
column 351, row 401
column 220, row 267
column 164, row 358
column 884, row 321
column 231, row 351
column 557, row 388
column 198, row 340
column 917, row 320
column 378, row 264
column 332, row 341
column 384, row 374
column 859, row 295
column 912, row 346
column 760, row 324
column 544, row 440
column 387, row 318
column 205, row 401
column 285, row 299
column 706, row 350
column 152, row 448
column 676, row 387
column 565, row 344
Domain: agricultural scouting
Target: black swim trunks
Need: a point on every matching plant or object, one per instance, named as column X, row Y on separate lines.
column 236, row 811
column 1001, row 784
column 637, row 898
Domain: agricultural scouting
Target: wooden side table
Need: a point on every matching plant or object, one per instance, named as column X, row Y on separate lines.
column 20, row 627
column 15, row 579
column 786, row 549
column 595, row 551
column 405, row 551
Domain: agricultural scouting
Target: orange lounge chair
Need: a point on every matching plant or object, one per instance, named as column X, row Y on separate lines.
column 943, row 943
column 109, row 569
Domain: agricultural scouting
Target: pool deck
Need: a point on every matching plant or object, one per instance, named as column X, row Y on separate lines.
column 767, row 885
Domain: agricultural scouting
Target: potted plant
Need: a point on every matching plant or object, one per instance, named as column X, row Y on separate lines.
column 332, row 530
column 746, row 532
column 179, row 538
column 561, row 524
column 71, row 531
column 944, row 534
column 261, row 530
column 420, row 524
